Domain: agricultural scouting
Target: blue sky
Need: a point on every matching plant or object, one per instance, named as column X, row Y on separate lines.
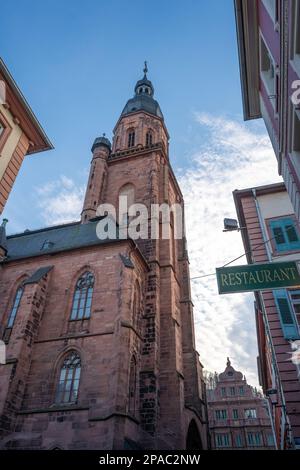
column 77, row 63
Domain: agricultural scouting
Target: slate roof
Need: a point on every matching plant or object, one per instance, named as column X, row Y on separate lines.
column 54, row 239
column 144, row 103
column 126, row 261
column 3, row 238
column 38, row 274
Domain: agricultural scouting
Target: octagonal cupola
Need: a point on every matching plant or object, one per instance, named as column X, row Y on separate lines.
column 143, row 98
column 144, row 86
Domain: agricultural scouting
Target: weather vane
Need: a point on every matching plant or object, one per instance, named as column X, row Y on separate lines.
column 145, row 68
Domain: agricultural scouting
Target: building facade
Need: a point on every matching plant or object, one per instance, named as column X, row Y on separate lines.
column 270, row 233
column 20, row 133
column 268, row 34
column 99, row 333
column 238, row 414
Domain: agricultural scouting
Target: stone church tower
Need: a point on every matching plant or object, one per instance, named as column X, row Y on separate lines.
column 99, row 333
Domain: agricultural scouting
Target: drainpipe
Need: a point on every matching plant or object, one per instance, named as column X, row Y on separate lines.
column 272, row 424
column 261, row 222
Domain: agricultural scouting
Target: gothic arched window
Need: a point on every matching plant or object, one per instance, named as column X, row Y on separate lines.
column 172, row 239
column 117, row 142
column 127, row 191
column 69, row 377
column 15, row 307
column 149, row 139
column 132, row 386
column 82, row 300
column 136, row 304
column 131, row 138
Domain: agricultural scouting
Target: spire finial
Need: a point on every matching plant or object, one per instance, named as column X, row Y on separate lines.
column 103, row 135
column 145, row 67
column 4, row 222
column 228, row 362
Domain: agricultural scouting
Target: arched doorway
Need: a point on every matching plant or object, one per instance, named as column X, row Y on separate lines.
column 193, row 439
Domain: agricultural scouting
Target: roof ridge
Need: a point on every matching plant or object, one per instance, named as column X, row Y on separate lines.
column 45, row 229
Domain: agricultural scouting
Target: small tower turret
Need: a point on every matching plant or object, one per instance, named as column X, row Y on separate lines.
column 101, row 150
column 3, row 241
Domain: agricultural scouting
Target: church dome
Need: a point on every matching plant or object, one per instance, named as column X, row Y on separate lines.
column 101, row 141
column 143, row 99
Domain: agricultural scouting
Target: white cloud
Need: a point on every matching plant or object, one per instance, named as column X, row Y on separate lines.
column 235, row 156
column 60, row 200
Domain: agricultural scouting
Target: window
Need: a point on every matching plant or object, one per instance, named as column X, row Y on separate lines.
column 136, row 304
column 267, row 69
column 241, row 391
column 270, row 440
column 235, row 414
column 82, row 300
column 284, row 234
column 295, row 299
column 232, row 391
column 132, row 386
column 295, row 43
column 273, row 7
column 257, row 438
column 277, row 93
column 125, row 200
column 286, row 313
column 223, row 392
column 222, row 440
column 250, row 438
column 250, row 413
column 221, row 414
column 297, row 28
column 47, row 245
column 69, row 377
column 15, row 307
column 254, row 439
column 131, row 138
column 238, row 440
column 5, row 129
column 296, row 131
column 149, row 139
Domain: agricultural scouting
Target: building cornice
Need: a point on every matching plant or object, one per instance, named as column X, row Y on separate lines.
column 138, row 151
column 248, row 51
column 137, row 112
column 16, row 103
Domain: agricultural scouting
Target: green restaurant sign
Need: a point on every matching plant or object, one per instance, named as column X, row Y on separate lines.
column 254, row 277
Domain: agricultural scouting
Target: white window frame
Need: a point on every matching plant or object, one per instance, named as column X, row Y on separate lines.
column 295, row 36
column 294, row 114
column 294, row 302
column 250, row 413
column 269, row 82
column 272, row 9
